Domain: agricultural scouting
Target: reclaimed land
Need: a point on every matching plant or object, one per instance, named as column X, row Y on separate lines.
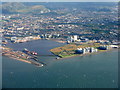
column 68, row 51
column 18, row 55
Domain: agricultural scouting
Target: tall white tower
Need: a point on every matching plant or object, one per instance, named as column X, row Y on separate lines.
column 75, row 37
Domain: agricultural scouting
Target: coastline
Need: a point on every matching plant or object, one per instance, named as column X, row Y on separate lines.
column 22, row 60
column 26, row 61
column 20, row 56
column 79, row 55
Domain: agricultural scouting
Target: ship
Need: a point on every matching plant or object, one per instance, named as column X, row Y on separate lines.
column 57, row 57
column 29, row 52
column 37, row 64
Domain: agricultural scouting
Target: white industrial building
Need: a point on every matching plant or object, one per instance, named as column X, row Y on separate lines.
column 86, row 50
column 72, row 38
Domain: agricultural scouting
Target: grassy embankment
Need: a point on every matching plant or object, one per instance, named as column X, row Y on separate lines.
column 69, row 50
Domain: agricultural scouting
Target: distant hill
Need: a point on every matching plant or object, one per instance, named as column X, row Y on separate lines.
column 18, row 7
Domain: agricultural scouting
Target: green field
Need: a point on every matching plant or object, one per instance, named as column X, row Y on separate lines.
column 69, row 50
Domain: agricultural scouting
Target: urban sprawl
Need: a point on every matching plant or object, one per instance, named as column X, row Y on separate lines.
column 73, row 26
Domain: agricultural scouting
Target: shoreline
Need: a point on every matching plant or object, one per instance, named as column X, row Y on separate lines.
column 83, row 54
column 26, row 61
column 22, row 60
column 20, row 56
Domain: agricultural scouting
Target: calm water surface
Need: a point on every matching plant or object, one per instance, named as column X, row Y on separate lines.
column 92, row 71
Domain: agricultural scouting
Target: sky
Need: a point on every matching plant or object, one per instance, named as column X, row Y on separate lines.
column 60, row 0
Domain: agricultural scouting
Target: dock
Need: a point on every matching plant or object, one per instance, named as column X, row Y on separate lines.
column 21, row 56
